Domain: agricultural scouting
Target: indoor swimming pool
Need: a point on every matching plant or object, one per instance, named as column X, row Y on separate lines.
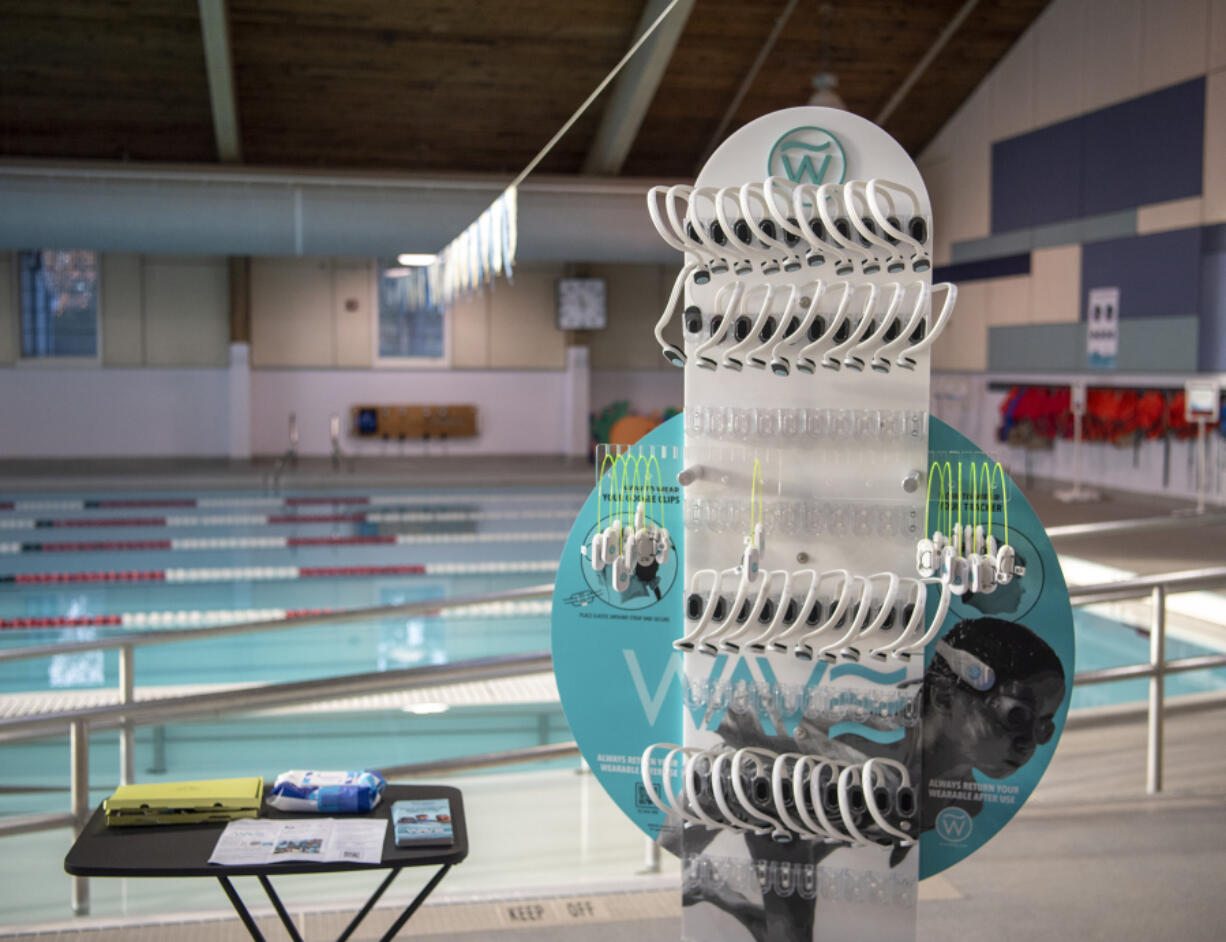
column 83, row 567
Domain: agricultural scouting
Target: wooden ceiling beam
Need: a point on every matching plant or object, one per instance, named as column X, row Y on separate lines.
column 636, row 88
column 215, row 30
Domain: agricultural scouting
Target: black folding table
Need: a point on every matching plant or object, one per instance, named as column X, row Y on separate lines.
column 184, row 850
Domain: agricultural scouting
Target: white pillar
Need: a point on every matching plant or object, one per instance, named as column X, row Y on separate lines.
column 576, row 403
column 240, row 402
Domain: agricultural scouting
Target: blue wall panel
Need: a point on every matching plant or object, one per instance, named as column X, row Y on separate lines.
column 1212, row 341
column 1158, row 275
column 1036, row 177
column 1146, row 150
column 985, row 268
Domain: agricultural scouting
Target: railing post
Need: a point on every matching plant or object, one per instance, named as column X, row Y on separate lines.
column 78, row 746
column 652, row 858
column 1157, row 661
column 127, row 683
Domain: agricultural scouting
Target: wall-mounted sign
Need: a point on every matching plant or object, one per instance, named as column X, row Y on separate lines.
column 1103, row 328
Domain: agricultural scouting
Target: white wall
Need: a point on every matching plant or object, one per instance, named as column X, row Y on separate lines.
column 86, row 411
column 518, row 411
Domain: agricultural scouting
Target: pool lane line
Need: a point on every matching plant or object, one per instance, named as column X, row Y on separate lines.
column 257, row 543
column 196, row 618
column 278, row 573
column 263, row 520
column 371, row 500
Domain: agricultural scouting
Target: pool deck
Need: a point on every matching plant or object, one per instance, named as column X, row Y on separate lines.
column 1089, row 857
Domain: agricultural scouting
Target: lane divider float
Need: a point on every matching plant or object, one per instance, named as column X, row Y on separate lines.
column 279, row 573
column 202, row 619
column 277, row 542
column 262, row 520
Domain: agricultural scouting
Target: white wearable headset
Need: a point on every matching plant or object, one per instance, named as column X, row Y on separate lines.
column 885, row 355
column 767, row 336
column 892, row 229
column 649, row 784
column 750, row 626
column 853, row 787
column 834, row 358
column 705, row 234
column 770, row 825
column 738, row 233
column 816, row 794
column 780, row 365
column 687, row 641
column 693, row 786
column 803, row 787
column 832, row 649
column 721, row 322
column 796, row 223
column 734, row 356
column 807, row 357
column 708, row 642
column 783, row 242
column 802, row 625
column 914, row 627
column 771, row 637
column 869, row 346
column 917, row 645
column 844, row 238
column 672, row 229
column 866, row 227
column 815, row 229
column 673, row 353
column 781, row 777
column 904, row 806
column 759, row 642
column 804, row 646
column 722, row 802
column 906, row 359
column 873, row 632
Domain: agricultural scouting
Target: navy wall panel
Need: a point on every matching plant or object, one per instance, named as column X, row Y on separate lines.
column 1158, row 275
column 1036, row 177
column 1212, row 341
column 984, row 268
column 1146, row 150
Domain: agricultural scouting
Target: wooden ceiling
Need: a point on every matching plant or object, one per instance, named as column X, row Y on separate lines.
column 458, row 85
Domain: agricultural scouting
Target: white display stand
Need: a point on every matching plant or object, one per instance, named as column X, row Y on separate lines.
column 840, row 454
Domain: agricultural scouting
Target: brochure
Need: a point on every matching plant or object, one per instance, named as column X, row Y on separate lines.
column 318, row 840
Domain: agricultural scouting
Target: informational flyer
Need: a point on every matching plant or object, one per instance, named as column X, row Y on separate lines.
column 320, row 840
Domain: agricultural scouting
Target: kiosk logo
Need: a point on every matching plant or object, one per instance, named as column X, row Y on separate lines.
column 808, row 155
column 954, row 825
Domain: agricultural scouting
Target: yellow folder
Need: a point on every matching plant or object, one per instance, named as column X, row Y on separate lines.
column 223, row 799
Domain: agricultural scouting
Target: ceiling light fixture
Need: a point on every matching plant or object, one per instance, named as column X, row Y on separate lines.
column 824, row 94
column 415, row 259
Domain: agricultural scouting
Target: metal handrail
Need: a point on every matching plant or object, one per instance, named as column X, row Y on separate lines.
column 268, row 696
column 1138, row 525
column 128, row 713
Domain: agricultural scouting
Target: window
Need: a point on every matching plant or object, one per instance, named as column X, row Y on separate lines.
column 59, row 303
column 409, row 326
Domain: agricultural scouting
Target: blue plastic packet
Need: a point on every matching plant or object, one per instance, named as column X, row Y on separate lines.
column 326, row 792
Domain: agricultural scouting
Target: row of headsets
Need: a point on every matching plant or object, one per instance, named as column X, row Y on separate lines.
column 709, row 874
column 623, row 547
column 786, row 796
column 969, row 560
column 779, row 425
column 800, row 327
column 824, row 704
column 779, row 225
column 879, row 616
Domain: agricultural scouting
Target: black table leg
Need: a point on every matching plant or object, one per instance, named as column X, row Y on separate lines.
column 412, row 907
column 237, row 902
column 370, row 904
column 277, row 905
